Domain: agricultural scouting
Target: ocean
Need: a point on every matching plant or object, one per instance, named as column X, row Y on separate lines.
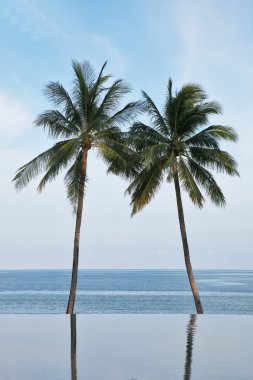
column 125, row 291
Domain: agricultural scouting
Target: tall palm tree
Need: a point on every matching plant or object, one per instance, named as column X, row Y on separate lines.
column 89, row 117
column 180, row 148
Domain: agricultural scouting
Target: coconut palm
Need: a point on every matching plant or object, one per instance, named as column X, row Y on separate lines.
column 179, row 147
column 89, row 117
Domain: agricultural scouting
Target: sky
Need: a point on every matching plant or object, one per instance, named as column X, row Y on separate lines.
column 145, row 42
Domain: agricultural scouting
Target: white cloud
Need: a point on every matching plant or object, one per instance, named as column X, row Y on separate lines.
column 15, row 118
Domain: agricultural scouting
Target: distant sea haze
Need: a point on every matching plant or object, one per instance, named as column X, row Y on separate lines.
column 125, row 291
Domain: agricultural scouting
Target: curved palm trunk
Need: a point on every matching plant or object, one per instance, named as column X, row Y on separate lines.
column 185, row 245
column 72, row 293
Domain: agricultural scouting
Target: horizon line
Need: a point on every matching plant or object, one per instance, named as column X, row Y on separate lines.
column 127, row 269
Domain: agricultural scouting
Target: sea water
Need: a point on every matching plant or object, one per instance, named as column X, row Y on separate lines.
column 125, row 291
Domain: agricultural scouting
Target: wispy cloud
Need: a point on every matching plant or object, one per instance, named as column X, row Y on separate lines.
column 207, row 37
column 31, row 20
column 38, row 23
column 15, row 118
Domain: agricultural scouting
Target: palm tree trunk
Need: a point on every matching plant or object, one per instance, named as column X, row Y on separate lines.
column 185, row 245
column 72, row 293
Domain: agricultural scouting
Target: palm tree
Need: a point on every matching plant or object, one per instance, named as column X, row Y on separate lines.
column 180, row 148
column 88, row 118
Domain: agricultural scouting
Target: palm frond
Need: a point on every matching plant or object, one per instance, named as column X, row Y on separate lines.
column 59, row 160
column 112, row 99
column 58, row 96
column 202, row 139
column 195, row 117
column 33, row 168
column 127, row 114
column 112, row 133
column 81, row 94
column 158, row 121
column 190, row 96
column 110, row 153
column 98, row 87
column 189, row 184
column 142, row 136
column 75, row 181
column 206, row 180
column 218, row 160
column 57, row 124
column 145, row 185
column 155, row 152
column 85, row 72
column 170, row 164
column 170, row 88
column 221, row 132
column 119, row 158
column 210, row 137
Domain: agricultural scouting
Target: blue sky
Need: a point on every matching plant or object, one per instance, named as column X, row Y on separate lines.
column 145, row 42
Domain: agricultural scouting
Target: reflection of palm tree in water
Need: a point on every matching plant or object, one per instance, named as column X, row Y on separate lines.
column 73, row 346
column 191, row 328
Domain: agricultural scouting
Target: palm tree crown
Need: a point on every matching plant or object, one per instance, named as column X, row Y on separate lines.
column 85, row 119
column 177, row 141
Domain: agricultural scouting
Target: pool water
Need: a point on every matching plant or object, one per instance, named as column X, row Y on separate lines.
column 126, row 347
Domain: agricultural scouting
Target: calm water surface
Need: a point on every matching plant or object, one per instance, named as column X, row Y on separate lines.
column 126, row 347
column 126, row 291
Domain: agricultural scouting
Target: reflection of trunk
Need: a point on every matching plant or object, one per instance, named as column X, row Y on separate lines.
column 72, row 294
column 185, row 245
column 73, row 347
column 191, row 328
